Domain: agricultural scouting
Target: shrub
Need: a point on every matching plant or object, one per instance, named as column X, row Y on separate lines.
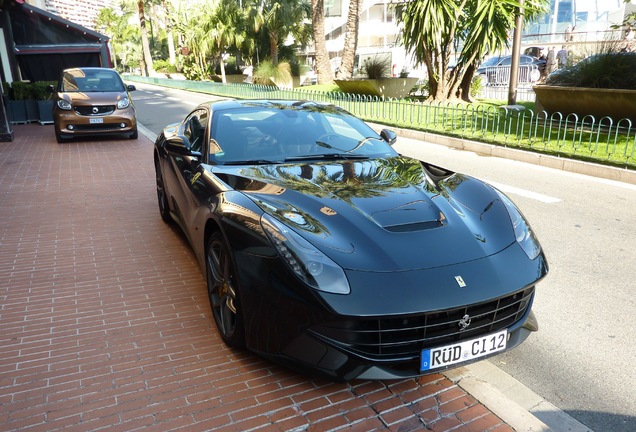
column 267, row 72
column 613, row 70
column 22, row 90
column 377, row 67
column 40, row 89
column 164, row 66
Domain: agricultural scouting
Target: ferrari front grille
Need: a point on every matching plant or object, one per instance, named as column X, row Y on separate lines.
column 404, row 337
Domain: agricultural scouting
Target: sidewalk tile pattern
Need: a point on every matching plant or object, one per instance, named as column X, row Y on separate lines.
column 105, row 321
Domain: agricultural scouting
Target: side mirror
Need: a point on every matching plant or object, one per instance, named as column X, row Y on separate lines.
column 50, row 89
column 131, row 87
column 181, row 145
column 388, row 136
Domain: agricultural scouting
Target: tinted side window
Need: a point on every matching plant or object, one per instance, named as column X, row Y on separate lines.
column 195, row 129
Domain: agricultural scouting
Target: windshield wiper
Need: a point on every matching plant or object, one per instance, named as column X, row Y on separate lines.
column 251, row 162
column 328, row 156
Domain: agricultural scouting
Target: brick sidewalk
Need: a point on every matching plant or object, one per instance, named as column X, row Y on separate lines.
column 105, row 320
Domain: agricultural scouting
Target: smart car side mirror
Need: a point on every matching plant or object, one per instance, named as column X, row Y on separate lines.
column 131, row 87
column 388, row 136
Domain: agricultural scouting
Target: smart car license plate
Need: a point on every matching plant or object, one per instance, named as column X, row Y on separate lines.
column 96, row 120
column 467, row 350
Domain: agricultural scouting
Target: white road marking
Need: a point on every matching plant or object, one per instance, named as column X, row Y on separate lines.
column 525, row 193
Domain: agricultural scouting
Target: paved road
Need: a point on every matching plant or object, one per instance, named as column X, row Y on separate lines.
column 581, row 359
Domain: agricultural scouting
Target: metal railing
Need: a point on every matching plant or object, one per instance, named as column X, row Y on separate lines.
column 603, row 140
column 500, row 75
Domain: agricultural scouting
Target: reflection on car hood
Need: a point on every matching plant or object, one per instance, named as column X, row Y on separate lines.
column 380, row 214
column 93, row 98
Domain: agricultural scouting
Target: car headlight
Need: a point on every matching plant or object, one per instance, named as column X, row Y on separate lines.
column 123, row 103
column 523, row 233
column 304, row 260
column 64, row 104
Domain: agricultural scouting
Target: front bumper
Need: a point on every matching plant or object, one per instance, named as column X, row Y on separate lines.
column 313, row 356
column 70, row 123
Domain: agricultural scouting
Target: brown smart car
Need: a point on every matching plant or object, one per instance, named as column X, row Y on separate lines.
column 93, row 101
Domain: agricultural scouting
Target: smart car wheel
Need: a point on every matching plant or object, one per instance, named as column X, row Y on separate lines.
column 223, row 291
column 162, row 199
column 134, row 134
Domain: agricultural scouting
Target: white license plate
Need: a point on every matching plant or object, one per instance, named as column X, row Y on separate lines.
column 462, row 351
column 96, row 120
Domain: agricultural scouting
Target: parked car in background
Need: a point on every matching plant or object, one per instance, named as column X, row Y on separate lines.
column 496, row 70
column 326, row 250
column 93, row 101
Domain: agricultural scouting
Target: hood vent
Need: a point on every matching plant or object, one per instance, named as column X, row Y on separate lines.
column 417, row 226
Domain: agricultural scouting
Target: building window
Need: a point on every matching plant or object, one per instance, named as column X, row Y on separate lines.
column 333, row 8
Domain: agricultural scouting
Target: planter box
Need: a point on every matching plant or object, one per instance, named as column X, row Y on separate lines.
column 614, row 103
column 33, row 114
column 383, row 87
column 45, row 109
column 234, row 79
column 18, row 111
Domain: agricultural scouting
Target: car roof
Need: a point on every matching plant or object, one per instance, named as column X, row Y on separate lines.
column 268, row 103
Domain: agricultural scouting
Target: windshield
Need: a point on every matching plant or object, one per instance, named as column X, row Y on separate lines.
column 492, row 61
column 286, row 133
column 81, row 80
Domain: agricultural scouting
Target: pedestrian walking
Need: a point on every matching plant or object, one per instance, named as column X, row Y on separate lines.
column 562, row 57
column 550, row 61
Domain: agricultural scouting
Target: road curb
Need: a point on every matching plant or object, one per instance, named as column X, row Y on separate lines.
column 560, row 163
column 510, row 400
column 513, row 414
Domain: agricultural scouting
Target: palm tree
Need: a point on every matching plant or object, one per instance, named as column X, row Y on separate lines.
column 169, row 11
column 114, row 25
column 147, row 57
column 323, row 67
column 129, row 51
column 220, row 28
column 351, row 40
column 280, row 19
column 433, row 30
column 195, row 37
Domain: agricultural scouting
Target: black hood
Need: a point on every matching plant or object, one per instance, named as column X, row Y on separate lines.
column 380, row 214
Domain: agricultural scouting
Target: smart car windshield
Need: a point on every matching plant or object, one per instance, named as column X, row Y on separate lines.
column 81, row 80
column 284, row 133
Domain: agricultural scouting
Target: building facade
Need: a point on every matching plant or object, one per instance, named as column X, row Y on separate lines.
column 588, row 21
column 82, row 12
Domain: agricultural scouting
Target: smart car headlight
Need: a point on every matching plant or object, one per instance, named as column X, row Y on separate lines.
column 304, row 260
column 523, row 233
column 123, row 103
column 64, row 104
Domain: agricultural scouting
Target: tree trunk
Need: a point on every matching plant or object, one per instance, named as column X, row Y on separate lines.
column 171, row 50
column 273, row 47
column 351, row 41
column 147, row 69
column 222, row 66
column 323, row 67
column 467, row 80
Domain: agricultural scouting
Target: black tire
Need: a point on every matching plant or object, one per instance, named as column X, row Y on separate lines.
column 223, row 291
column 134, row 134
column 59, row 138
column 162, row 198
